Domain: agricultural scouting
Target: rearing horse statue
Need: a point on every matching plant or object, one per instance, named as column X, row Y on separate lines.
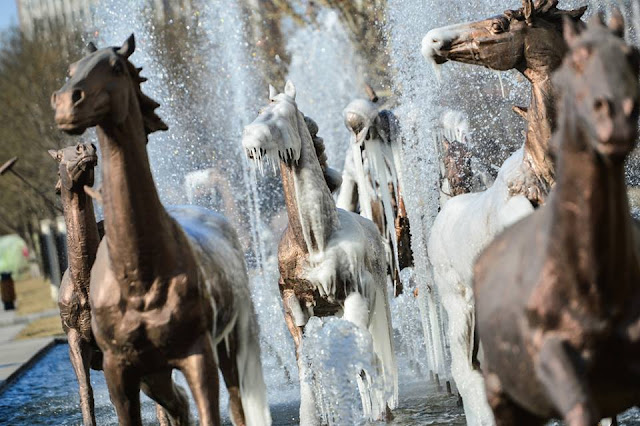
column 169, row 287
column 530, row 40
column 331, row 261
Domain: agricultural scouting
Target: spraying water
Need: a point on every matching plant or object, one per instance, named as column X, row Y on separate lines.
column 204, row 141
column 327, row 72
column 205, row 129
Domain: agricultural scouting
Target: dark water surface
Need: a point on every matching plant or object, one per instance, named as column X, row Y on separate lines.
column 47, row 395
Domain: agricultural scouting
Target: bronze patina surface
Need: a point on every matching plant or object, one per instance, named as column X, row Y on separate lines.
column 529, row 40
column 558, row 294
column 76, row 169
column 169, row 287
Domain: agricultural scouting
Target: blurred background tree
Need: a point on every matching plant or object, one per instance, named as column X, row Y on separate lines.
column 31, row 68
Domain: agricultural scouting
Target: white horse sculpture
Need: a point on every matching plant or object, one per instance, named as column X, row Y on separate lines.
column 371, row 176
column 331, row 261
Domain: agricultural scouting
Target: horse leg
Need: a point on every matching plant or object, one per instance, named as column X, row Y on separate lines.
column 80, row 356
column 124, row 390
column 469, row 381
column 308, row 412
column 560, row 369
column 172, row 404
column 229, row 368
column 505, row 411
column 201, row 371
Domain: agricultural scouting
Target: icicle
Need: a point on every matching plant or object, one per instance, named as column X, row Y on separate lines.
column 365, row 191
column 437, row 70
column 501, row 84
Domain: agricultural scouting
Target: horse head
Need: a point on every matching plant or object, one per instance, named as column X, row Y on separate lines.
column 275, row 133
column 598, row 82
column 529, row 38
column 75, row 166
column 100, row 89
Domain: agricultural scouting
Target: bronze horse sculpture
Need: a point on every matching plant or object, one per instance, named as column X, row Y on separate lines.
column 169, row 287
column 331, row 261
column 558, row 294
column 76, row 166
column 76, row 169
column 530, row 40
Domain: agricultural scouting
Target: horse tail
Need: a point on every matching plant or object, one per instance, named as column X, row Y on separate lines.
column 253, row 391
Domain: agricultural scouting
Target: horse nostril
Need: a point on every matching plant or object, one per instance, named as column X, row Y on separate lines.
column 602, row 107
column 77, row 96
column 54, row 98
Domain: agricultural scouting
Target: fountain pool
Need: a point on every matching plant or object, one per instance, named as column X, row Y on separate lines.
column 47, row 395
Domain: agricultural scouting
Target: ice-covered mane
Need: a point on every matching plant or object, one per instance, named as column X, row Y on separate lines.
column 331, row 176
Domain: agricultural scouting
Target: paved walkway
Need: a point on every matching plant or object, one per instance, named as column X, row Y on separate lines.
column 17, row 355
column 8, row 318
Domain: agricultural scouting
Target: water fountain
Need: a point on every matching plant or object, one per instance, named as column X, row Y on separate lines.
column 219, row 58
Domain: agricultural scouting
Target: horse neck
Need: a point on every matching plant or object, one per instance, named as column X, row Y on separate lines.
column 539, row 127
column 593, row 225
column 143, row 241
column 82, row 237
column 311, row 209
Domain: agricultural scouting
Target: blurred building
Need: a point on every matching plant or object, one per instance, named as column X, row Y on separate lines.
column 44, row 15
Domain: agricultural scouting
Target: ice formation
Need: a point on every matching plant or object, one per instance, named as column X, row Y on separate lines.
column 324, row 57
column 343, row 248
column 345, row 380
column 372, row 163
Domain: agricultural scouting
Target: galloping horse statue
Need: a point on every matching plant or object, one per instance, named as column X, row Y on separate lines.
column 331, row 261
column 530, row 40
column 371, row 180
column 169, row 287
column 75, row 170
column 558, row 294
column 76, row 166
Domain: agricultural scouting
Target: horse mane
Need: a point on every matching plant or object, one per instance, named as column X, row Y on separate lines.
column 545, row 9
column 318, row 145
column 152, row 123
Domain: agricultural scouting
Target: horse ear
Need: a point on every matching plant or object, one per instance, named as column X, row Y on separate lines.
column 597, row 20
column 128, row 47
column 527, row 11
column 570, row 31
column 90, row 48
column 54, row 154
column 272, row 92
column 290, row 89
column 616, row 23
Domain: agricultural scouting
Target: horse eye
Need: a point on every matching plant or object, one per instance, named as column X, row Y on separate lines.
column 497, row 27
